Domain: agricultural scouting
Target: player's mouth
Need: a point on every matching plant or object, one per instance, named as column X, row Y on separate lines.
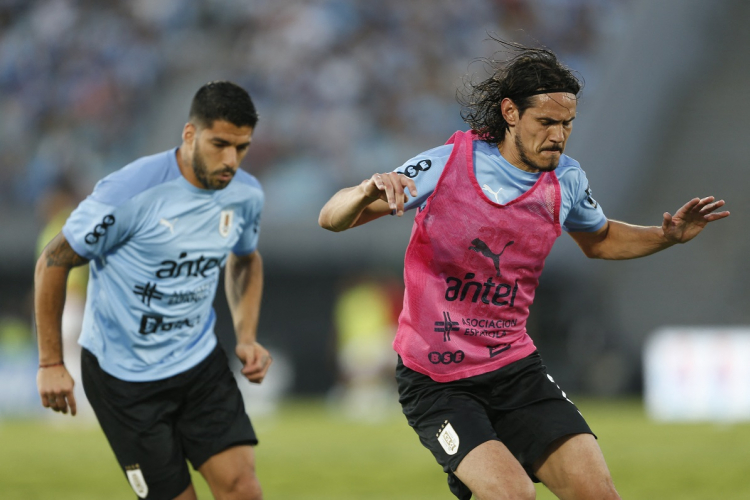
column 554, row 153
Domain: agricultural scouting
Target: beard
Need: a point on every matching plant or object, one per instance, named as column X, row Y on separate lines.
column 524, row 157
column 204, row 177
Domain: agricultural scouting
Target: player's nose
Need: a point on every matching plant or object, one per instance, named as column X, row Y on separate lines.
column 230, row 157
column 556, row 134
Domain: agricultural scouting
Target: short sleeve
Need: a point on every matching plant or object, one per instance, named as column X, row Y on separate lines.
column 248, row 241
column 585, row 213
column 425, row 170
column 94, row 228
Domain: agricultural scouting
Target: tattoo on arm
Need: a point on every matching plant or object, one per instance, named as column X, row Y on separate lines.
column 59, row 253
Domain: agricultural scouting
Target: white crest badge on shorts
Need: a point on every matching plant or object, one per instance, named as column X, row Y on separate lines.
column 225, row 222
column 136, row 480
column 448, row 438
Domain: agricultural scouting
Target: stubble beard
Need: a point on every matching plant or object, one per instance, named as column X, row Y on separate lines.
column 524, row 157
column 201, row 172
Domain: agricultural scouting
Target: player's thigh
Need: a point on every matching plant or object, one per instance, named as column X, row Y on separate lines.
column 491, row 471
column 213, row 421
column 138, row 421
column 450, row 422
column 573, row 468
column 231, row 474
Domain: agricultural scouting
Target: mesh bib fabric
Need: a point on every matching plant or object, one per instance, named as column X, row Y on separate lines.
column 471, row 269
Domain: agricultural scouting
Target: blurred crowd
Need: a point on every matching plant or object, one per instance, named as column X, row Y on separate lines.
column 344, row 87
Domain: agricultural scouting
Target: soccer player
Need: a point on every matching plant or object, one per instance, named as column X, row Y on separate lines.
column 156, row 234
column 491, row 202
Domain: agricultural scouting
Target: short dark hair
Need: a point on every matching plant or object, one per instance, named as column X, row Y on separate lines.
column 520, row 78
column 223, row 101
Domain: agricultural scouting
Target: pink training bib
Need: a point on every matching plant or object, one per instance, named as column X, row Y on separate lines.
column 471, row 269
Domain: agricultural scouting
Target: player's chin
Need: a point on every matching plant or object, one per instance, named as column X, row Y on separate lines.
column 547, row 167
column 549, row 160
column 221, row 182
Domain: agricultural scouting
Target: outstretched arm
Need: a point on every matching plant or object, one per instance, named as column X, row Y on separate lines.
column 372, row 198
column 54, row 383
column 618, row 240
column 244, row 288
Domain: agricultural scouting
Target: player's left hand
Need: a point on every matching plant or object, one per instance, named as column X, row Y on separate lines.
column 690, row 220
column 255, row 360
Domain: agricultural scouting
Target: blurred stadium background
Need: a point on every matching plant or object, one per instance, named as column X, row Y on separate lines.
column 346, row 88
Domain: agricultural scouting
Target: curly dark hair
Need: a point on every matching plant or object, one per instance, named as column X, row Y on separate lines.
column 225, row 101
column 526, row 74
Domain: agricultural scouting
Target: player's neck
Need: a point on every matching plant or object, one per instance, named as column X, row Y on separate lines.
column 185, row 164
column 510, row 153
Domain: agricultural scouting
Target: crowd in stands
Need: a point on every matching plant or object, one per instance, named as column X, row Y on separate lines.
column 344, row 87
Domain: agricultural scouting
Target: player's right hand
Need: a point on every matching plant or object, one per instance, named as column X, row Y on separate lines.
column 389, row 187
column 256, row 361
column 56, row 389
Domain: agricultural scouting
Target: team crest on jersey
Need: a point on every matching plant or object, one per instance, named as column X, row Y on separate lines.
column 136, row 480
column 225, row 222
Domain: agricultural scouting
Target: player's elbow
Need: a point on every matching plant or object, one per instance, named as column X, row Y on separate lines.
column 324, row 221
column 593, row 252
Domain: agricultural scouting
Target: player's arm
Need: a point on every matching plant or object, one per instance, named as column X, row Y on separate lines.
column 50, row 279
column 244, row 288
column 375, row 197
column 618, row 240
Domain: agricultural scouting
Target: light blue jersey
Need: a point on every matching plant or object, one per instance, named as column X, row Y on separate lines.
column 502, row 182
column 157, row 245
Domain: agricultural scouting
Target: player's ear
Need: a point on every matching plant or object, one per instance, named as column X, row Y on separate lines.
column 188, row 133
column 510, row 111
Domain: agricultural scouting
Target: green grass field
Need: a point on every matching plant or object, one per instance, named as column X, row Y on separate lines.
column 308, row 453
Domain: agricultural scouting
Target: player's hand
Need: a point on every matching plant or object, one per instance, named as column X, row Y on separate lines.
column 56, row 389
column 690, row 220
column 255, row 360
column 389, row 187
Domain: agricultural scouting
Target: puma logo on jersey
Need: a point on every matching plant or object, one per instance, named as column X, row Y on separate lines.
column 494, row 193
column 170, row 225
column 480, row 246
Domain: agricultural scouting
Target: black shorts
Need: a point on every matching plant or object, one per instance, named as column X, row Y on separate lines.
column 153, row 427
column 519, row 405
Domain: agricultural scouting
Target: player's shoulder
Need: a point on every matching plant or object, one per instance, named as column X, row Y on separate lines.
column 485, row 148
column 569, row 168
column 425, row 160
column 133, row 179
column 245, row 189
column 439, row 153
column 244, row 186
column 246, row 180
column 442, row 151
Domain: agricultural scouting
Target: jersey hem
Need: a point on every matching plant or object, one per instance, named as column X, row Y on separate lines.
column 471, row 372
column 589, row 229
column 148, row 376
